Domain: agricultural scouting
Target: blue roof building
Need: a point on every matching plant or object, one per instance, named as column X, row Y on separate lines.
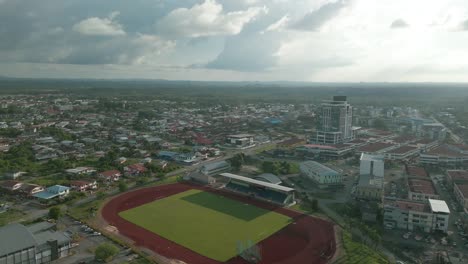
column 52, row 192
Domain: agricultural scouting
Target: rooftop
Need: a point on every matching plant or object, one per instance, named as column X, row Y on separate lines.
column 445, row 150
column 215, row 165
column 458, row 175
column 317, row 168
column 406, row 205
column 374, row 147
column 240, row 136
column 402, row 150
column 417, row 172
column 463, row 189
column 257, row 182
column 15, row 237
column 370, row 157
column 421, row 186
column 268, row 177
column 403, row 139
column 439, row 206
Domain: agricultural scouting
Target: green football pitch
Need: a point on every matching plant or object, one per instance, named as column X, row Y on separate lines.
column 209, row 224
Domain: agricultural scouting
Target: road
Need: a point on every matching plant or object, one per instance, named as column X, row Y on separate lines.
column 454, row 136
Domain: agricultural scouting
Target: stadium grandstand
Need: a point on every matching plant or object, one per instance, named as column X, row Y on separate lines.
column 261, row 190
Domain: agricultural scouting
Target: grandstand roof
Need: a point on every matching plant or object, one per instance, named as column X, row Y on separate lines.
column 257, row 182
column 268, row 177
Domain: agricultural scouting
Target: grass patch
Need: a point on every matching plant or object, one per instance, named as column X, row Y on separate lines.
column 357, row 253
column 208, row 224
column 86, row 210
column 10, row 216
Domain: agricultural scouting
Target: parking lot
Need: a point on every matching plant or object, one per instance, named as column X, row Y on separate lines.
column 88, row 240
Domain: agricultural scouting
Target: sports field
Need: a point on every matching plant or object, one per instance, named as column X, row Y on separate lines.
column 206, row 223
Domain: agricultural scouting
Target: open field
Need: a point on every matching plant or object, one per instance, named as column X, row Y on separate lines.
column 206, row 223
column 305, row 239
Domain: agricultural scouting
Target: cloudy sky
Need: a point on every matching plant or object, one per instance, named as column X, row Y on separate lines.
column 238, row 40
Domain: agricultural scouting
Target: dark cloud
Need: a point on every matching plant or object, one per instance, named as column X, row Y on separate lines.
column 399, row 23
column 312, row 21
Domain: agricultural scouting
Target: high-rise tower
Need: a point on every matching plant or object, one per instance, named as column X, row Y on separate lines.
column 334, row 121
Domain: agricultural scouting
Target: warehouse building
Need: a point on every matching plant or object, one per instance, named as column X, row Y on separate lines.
column 35, row 244
column 320, row 174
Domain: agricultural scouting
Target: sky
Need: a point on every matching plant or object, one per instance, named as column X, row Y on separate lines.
column 236, row 40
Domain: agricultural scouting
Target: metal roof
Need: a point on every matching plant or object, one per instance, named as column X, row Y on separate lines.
column 15, row 237
column 257, row 182
column 268, row 177
column 439, row 206
column 215, row 165
column 318, row 168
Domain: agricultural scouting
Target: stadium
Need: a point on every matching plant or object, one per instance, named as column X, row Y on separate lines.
column 242, row 222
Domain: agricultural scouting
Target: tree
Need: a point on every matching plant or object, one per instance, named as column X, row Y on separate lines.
column 55, row 212
column 314, row 205
column 105, row 252
column 122, row 186
column 100, row 195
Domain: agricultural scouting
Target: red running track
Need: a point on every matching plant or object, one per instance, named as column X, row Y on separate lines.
column 307, row 240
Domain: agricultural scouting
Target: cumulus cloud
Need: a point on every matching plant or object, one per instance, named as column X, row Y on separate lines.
column 247, row 53
column 399, row 23
column 95, row 26
column 315, row 19
column 278, row 25
column 206, row 19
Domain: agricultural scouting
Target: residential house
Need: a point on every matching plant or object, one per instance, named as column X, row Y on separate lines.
column 29, row 189
column 81, row 171
column 82, row 186
column 135, row 169
column 110, row 175
column 51, row 192
column 10, row 185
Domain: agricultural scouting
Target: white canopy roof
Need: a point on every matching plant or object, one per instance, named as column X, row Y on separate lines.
column 257, row 182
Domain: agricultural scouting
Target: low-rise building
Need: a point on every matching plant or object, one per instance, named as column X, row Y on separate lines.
column 402, row 153
column 214, row 168
column 35, row 244
column 456, row 177
column 80, row 170
column 450, row 156
column 29, row 189
column 421, row 190
column 416, row 172
column 241, row 140
column 56, row 191
column 324, row 151
column 135, row 169
column 208, row 172
column 376, row 148
column 82, row 186
column 320, row 174
column 369, row 187
column 428, row 216
column 10, row 185
column 110, row 175
column 461, row 194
